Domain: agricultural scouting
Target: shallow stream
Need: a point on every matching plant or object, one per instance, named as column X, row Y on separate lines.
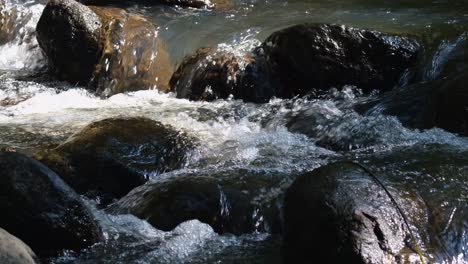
column 36, row 110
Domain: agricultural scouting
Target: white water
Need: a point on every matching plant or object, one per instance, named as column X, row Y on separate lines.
column 23, row 52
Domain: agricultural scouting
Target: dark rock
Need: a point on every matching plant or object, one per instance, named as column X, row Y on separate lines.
column 310, row 58
column 107, row 49
column 68, row 32
column 439, row 174
column 14, row 251
column 210, row 74
column 338, row 213
column 442, row 103
column 306, row 59
column 110, row 157
column 41, row 209
column 230, row 201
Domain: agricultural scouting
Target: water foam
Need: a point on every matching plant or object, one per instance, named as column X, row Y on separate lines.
column 23, row 52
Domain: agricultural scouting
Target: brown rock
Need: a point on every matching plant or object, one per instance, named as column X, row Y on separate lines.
column 108, row 49
column 208, row 74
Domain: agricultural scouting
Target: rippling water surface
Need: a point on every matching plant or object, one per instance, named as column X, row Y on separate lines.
column 36, row 110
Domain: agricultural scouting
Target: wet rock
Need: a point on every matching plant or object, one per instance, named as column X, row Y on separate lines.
column 41, row 209
column 132, row 56
column 439, row 174
column 235, row 202
column 442, row 103
column 107, row 49
column 310, row 58
column 14, row 251
column 211, row 74
column 68, row 33
column 339, row 213
column 306, row 59
column 110, row 157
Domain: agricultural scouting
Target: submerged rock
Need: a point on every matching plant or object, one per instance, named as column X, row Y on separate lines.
column 41, row 209
column 108, row 158
column 14, row 251
column 441, row 103
column 229, row 201
column 340, row 214
column 310, row 58
column 105, row 48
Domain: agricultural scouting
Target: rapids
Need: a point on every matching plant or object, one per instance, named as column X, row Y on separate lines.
column 36, row 110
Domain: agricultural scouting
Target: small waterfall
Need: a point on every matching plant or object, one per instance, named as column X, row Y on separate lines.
column 18, row 44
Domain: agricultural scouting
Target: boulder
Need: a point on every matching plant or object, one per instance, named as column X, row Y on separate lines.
column 234, row 202
column 306, row 59
column 310, row 58
column 106, row 48
column 41, row 209
column 439, row 174
column 340, row 214
column 14, row 251
column 441, row 103
column 108, row 158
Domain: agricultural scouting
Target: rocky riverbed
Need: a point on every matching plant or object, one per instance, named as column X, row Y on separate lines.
column 233, row 131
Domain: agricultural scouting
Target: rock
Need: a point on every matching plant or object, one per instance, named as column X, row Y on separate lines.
column 14, row 251
column 301, row 60
column 439, row 175
column 441, row 103
column 68, row 33
column 132, row 56
column 43, row 211
column 105, row 48
column 108, row 158
column 235, row 202
column 340, row 214
column 210, row 74
column 311, row 58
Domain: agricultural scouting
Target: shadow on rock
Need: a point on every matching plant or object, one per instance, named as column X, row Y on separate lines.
column 108, row 158
column 338, row 213
column 440, row 103
column 41, row 209
column 237, row 202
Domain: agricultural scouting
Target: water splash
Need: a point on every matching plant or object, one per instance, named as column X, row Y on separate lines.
column 22, row 51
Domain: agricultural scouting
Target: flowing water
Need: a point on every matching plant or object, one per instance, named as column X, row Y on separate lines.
column 36, row 110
